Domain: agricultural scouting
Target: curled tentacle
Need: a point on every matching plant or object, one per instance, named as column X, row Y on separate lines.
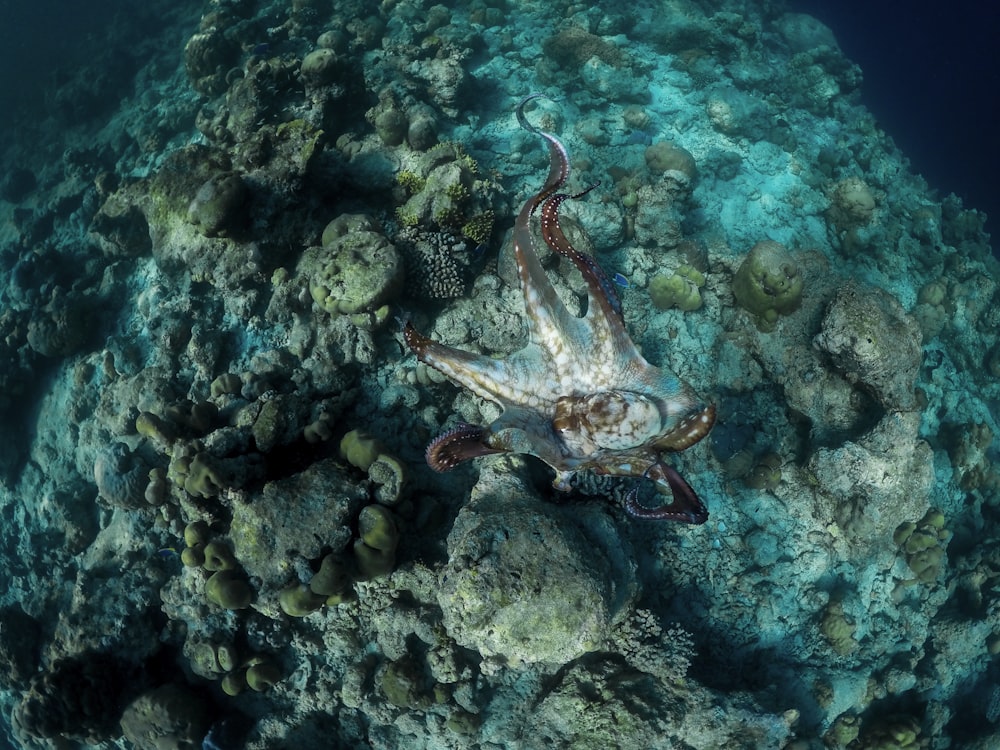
column 686, row 506
column 689, row 430
column 458, row 444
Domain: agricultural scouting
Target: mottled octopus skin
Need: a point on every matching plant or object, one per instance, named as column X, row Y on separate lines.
column 579, row 395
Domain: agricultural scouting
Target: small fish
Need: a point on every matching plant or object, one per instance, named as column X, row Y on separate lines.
column 479, row 250
column 261, row 49
column 620, row 281
column 168, row 552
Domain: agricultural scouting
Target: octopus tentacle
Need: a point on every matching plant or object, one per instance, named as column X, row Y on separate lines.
column 685, row 507
column 604, row 321
column 558, row 158
column 550, row 323
column 689, row 430
column 461, row 443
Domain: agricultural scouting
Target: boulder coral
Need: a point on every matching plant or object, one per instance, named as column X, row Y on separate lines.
column 874, row 343
column 768, row 284
column 681, row 289
column 169, row 716
column 121, row 476
column 356, row 270
column 548, row 591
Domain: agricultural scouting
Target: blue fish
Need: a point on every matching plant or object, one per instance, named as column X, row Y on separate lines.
column 620, row 281
column 261, row 49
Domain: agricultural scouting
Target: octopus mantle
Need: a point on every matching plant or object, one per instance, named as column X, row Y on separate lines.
column 579, row 395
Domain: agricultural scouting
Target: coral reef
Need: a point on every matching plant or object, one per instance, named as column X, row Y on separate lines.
column 220, row 526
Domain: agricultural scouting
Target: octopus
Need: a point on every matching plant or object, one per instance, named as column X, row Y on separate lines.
column 579, row 395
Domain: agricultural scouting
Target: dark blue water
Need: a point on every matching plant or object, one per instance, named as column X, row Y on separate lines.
column 932, row 79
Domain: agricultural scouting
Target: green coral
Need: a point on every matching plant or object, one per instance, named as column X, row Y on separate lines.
column 227, row 384
column 168, row 716
column 838, row 629
column 298, row 600
column 219, row 206
column 155, row 429
column 893, row 732
column 300, row 142
column 923, row 545
column 360, row 449
column 404, row 685
column 410, row 180
column 218, row 556
column 202, row 478
column 356, row 270
column 447, row 192
column 228, row 589
column 682, row 289
column 479, row 228
column 332, row 578
column 262, row 674
column 765, row 473
column 375, row 551
column 768, row 284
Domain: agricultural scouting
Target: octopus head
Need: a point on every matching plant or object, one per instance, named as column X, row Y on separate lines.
column 607, row 420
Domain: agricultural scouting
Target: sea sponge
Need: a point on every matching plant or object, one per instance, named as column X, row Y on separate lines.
column 228, row 589
column 768, row 284
column 680, row 289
